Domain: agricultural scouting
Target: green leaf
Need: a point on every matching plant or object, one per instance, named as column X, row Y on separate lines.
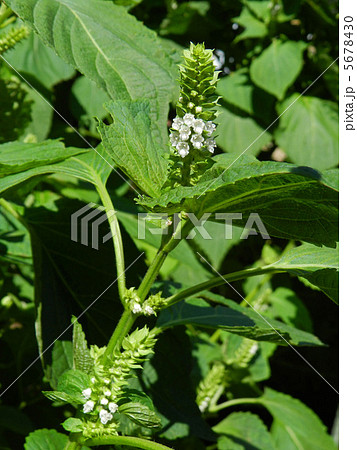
column 308, row 131
column 318, row 265
column 62, row 359
column 237, row 90
column 46, row 440
column 302, row 427
column 286, row 197
column 241, row 431
column 81, row 356
column 62, row 397
column 73, row 382
column 130, row 144
column 254, row 28
column 240, row 135
column 110, row 36
column 32, row 57
column 73, row 425
column 278, row 66
column 236, row 319
column 140, row 414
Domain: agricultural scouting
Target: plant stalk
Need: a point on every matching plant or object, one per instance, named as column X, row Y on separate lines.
column 129, row 441
column 116, row 236
column 122, row 329
column 234, row 402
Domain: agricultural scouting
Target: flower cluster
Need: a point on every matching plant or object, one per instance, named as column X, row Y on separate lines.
column 148, row 307
column 189, row 132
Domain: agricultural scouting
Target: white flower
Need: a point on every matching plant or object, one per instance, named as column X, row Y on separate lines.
column 210, row 143
column 190, row 105
column 183, row 149
column 197, row 140
column 148, row 310
column 105, row 416
column 174, row 138
column 107, row 393
column 92, row 380
column 198, row 126
column 106, row 381
column 177, row 123
column 88, row 407
column 112, row 407
column 104, row 401
column 136, row 308
column 188, row 119
column 210, row 127
column 185, row 132
column 87, row 393
column 198, row 109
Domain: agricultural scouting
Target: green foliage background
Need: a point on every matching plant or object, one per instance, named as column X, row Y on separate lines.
column 95, row 51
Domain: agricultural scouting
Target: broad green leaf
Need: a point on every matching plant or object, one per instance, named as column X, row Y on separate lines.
column 302, row 427
column 241, row 431
column 73, row 382
column 41, row 118
column 262, row 9
column 240, row 135
column 182, row 18
column 73, row 425
column 237, row 90
column 318, row 265
column 62, row 358
column 122, row 56
column 308, row 131
column 286, row 197
column 278, row 66
column 240, row 320
column 32, row 57
column 253, row 27
column 81, row 356
column 130, row 144
column 46, row 440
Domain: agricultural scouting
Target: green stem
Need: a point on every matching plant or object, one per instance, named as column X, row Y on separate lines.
column 9, row 208
column 126, row 440
column 116, row 236
column 122, row 329
column 4, row 13
column 229, row 403
column 182, row 230
column 217, row 281
column 186, row 170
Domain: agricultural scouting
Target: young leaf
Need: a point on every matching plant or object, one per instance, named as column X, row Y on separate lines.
column 73, row 382
column 130, row 144
column 57, row 396
column 283, row 62
column 73, row 425
column 81, row 357
column 302, row 428
column 308, row 131
column 242, row 321
column 243, row 430
column 140, row 414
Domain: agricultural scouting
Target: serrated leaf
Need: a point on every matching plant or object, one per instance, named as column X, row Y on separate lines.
column 301, row 424
column 109, row 36
column 240, row 320
column 72, row 383
column 62, row 359
column 140, row 414
column 308, row 131
column 73, row 425
column 81, row 356
column 130, row 144
column 319, row 265
column 241, row 431
column 57, row 396
column 283, row 62
column 286, row 197
column 46, row 440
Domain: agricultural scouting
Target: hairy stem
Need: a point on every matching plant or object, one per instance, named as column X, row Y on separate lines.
column 126, row 440
column 116, row 236
column 217, row 281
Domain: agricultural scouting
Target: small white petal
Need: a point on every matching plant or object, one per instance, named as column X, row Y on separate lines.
column 106, row 381
column 174, row 138
column 136, row 308
column 198, row 126
column 188, row 119
column 148, row 310
column 177, row 123
column 87, row 393
column 190, row 105
column 107, row 393
column 105, row 416
column 197, row 140
column 112, row 407
column 88, row 406
column 104, row 401
column 183, row 149
column 198, row 109
column 92, row 380
column 210, row 127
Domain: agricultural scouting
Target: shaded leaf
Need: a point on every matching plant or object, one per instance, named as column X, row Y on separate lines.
column 81, row 356
column 46, row 440
column 73, row 382
column 253, row 27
